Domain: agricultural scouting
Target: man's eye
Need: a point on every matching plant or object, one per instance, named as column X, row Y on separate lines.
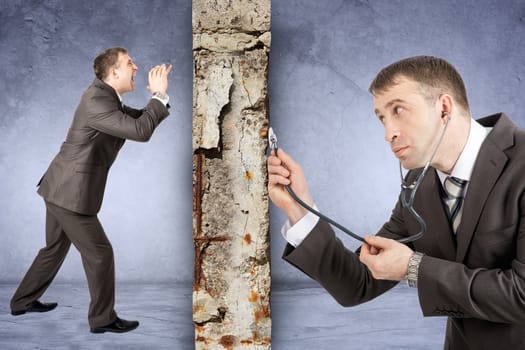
column 398, row 110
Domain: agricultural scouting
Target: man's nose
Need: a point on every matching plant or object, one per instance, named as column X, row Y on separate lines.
column 391, row 131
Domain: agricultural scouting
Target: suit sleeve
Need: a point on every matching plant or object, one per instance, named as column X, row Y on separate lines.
column 132, row 112
column 496, row 295
column 105, row 116
column 323, row 257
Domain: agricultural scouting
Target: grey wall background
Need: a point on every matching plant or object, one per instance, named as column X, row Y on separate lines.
column 47, row 49
column 324, row 54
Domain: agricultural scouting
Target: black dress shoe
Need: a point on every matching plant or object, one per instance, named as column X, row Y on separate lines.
column 118, row 326
column 35, row 306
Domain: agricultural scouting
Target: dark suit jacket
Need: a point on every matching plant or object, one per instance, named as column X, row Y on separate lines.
column 76, row 178
column 477, row 281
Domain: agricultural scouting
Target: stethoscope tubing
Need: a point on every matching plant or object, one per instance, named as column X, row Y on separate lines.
column 408, row 204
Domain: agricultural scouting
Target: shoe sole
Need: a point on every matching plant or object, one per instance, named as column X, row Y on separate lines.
column 102, row 330
column 96, row 330
column 21, row 312
column 17, row 313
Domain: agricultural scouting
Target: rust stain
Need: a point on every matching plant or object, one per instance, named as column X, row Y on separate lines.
column 254, row 296
column 265, row 340
column 200, row 241
column 208, row 239
column 248, row 238
column 229, row 341
column 264, row 132
column 261, row 312
column 198, row 160
column 198, row 308
column 248, row 175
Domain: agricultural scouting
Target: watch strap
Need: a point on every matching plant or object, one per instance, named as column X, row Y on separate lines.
column 413, row 269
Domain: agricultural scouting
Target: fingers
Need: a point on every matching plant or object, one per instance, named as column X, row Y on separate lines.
column 160, row 71
column 290, row 163
column 274, row 180
column 278, row 171
column 370, row 250
column 385, row 258
column 278, row 174
column 365, row 249
column 367, row 257
column 282, row 165
column 158, row 78
column 378, row 242
column 374, row 250
column 156, row 72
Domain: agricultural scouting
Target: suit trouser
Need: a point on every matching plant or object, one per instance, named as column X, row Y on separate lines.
column 64, row 227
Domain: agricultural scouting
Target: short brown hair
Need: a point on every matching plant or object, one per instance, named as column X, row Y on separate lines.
column 435, row 74
column 105, row 60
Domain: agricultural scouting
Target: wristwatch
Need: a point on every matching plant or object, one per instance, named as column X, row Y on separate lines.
column 160, row 95
column 413, row 269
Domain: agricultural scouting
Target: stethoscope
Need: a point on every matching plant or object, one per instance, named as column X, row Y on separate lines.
column 408, row 192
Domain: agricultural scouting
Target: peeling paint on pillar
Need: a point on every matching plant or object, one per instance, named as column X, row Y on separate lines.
column 231, row 290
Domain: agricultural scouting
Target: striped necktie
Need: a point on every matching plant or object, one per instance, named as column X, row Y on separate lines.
column 454, row 189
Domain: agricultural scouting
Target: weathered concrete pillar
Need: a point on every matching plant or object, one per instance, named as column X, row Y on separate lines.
column 231, row 289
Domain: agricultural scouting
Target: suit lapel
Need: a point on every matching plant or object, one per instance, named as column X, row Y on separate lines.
column 489, row 165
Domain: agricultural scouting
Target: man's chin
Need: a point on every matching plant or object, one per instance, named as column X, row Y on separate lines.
column 407, row 165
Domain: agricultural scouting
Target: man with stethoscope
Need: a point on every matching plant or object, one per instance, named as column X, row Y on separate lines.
column 459, row 238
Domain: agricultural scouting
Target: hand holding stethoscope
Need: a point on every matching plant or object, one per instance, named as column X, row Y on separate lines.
column 408, row 192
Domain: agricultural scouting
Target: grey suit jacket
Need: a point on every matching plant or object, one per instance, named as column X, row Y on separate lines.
column 477, row 281
column 76, row 178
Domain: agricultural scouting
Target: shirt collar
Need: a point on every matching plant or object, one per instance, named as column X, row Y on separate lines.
column 111, row 87
column 467, row 158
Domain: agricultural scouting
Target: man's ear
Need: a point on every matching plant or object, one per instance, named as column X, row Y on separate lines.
column 445, row 105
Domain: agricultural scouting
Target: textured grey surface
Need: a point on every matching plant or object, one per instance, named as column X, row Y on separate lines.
column 163, row 310
column 47, row 49
column 324, row 56
column 303, row 319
